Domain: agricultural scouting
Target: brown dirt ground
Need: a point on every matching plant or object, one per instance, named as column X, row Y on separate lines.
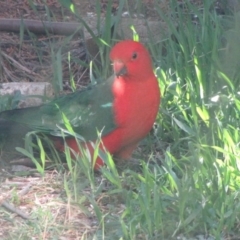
column 33, row 192
column 34, row 53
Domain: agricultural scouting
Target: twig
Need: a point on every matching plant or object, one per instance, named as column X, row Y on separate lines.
column 8, row 73
column 18, row 64
column 12, row 208
column 25, row 190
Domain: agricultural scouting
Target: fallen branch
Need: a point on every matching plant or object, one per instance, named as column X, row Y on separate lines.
column 12, row 208
column 40, row 27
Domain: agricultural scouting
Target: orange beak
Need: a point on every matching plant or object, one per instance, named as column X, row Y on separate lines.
column 119, row 68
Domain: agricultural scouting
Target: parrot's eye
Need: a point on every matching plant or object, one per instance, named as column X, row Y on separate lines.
column 134, row 56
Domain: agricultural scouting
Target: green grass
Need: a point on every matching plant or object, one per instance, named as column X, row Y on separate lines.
column 196, row 188
column 195, row 191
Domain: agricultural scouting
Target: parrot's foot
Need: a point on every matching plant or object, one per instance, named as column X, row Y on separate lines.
column 126, row 152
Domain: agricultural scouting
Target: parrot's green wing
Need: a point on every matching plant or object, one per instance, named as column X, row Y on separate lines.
column 89, row 111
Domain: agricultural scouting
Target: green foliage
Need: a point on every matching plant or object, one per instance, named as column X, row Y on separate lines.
column 196, row 189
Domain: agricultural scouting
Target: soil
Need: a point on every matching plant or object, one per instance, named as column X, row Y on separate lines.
column 35, row 52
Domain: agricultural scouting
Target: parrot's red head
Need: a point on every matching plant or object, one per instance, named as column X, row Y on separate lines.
column 130, row 58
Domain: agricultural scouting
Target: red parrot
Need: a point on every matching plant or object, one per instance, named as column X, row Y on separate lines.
column 123, row 108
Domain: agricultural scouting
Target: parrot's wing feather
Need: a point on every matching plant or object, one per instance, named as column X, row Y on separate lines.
column 88, row 112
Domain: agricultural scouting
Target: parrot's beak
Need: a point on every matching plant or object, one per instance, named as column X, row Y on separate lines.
column 119, row 68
